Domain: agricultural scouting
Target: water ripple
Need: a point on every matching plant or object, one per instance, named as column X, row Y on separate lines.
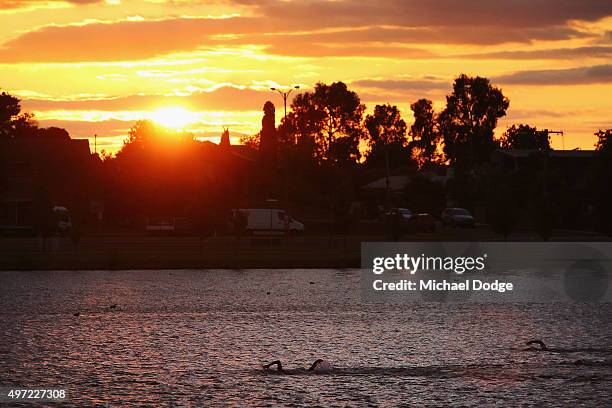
column 198, row 338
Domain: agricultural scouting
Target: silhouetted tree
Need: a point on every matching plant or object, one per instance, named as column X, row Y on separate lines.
column 603, row 181
column 157, row 172
column 525, row 137
column 146, row 136
column 24, row 125
column 425, row 135
column 14, row 123
column 9, row 110
column 385, row 126
column 343, row 151
column 252, row 141
column 468, row 121
column 330, row 118
column 387, row 141
column 139, row 138
column 604, row 141
column 54, row 132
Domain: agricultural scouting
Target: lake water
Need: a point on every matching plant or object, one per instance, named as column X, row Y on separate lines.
column 198, row 338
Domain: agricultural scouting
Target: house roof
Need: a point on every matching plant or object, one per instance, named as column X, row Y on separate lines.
column 244, row 152
column 396, row 183
column 561, row 154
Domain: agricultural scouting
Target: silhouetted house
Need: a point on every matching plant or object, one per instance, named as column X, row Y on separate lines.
column 397, row 185
column 513, row 159
column 50, row 169
column 572, row 166
column 377, row 192
column 234, row 164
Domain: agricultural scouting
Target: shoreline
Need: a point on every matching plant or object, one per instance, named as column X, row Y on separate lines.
column 138, row 252
column 173, row 265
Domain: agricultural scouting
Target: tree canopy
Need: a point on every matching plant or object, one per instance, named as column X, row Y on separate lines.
column 146, row 136
column 13, row 122
column 387, row 135
column 424, row 132
column 385, row 126
column 469, row 119
column 525, row 137
column 604, row 141
column 330, row 118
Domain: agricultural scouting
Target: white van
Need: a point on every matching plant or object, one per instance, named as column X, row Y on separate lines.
column 265, row 220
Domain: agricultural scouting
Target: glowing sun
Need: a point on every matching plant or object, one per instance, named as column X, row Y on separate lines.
column 174, row 117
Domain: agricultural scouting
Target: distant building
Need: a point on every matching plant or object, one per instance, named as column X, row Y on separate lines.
column 32, row 169
column 234, row 163
column 397, row 185
column 511, row 159
column 377, row 191
column 574, row 166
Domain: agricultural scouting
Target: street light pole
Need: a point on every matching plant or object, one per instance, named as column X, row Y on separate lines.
column 285, row 95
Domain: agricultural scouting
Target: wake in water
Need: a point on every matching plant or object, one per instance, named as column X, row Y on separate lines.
column 323, row 367
column 582, row 371
column 539, row 345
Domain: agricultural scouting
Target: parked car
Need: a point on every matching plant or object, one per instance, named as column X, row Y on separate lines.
column 269, row 220
column 404, row 212
column 161, row 225
column 457, row 217
column 422, row 223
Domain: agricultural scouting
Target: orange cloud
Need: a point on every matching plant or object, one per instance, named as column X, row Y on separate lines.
column 383, row 29
column 117, row 41
column 553, row 53
column 598, row 74
column 439, row 13
column 224, row 98
column 14, row 4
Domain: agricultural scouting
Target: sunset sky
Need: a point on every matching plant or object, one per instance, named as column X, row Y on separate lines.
column 97, row 66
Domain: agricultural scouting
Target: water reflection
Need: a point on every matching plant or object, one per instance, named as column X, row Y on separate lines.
column 200, row 337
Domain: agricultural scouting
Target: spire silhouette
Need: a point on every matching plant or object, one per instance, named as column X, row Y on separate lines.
column 225, row 139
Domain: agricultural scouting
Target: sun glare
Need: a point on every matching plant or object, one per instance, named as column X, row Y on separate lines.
column 174, row 117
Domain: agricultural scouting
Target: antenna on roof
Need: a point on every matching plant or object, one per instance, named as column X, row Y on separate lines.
column 558, row 132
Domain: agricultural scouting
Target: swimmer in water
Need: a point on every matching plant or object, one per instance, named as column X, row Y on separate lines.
column 538, row 342
column 319, row 365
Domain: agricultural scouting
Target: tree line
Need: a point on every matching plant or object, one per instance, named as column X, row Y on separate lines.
column 315, row 160
column 329, row 124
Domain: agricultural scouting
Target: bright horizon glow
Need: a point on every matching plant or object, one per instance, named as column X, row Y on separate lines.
column 174, row 117
column 202, row 66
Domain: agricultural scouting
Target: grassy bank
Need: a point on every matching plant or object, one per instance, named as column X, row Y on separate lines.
column 137, row 251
